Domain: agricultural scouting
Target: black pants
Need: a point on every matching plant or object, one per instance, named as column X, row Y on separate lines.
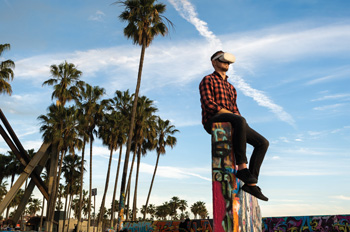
column 242, row 135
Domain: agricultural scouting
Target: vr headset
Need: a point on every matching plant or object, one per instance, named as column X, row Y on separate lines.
column 225, row 57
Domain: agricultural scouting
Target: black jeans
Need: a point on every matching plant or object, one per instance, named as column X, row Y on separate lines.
column 243, row 134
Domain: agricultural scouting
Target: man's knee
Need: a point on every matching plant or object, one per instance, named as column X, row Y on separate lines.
column 265, row 143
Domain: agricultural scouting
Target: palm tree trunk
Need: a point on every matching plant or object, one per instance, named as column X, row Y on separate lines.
column 128, row 205
column 42, row 215
column 65, row 209
column 150, row 189
column 106, row 189
column 130, row 174
column 115, row 188
column 129, row 184
column 8, row 207
column 90, row 185
column 69, row 210
column 130, row 135
column 52, row 178
column 134, row 206
column 81, row 185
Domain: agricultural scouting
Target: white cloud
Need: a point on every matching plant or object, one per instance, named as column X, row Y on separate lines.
column 341, row 197
column 329, row 107
column 98, row 16
column 118, row 65
column 188, row 12
column 343, row 96
column 263, row 100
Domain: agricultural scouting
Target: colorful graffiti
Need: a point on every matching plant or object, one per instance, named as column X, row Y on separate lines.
column 225, row 202
column 327, row 223
column 249, row 213
column 174, row 226
column 233, row 210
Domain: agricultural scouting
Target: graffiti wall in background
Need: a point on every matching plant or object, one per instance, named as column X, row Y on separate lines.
column 174, row 226
column 307, row 223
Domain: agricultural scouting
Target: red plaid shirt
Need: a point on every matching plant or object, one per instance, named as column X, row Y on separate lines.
column 216, row 93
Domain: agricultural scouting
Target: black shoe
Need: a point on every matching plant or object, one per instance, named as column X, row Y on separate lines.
column 255, row 191
column 245, row 176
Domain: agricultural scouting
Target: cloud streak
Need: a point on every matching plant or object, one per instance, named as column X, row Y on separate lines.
column 187, row 11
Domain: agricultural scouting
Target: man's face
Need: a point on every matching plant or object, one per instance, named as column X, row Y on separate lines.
column 220, row 66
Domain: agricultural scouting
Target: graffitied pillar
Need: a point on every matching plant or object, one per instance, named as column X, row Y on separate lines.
column 233, row 209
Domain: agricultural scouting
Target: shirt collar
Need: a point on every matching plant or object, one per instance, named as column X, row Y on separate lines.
column 217, row 74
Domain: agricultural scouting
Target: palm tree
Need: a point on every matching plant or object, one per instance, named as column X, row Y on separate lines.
column 6, row 71
column 59, row 127
column 145, row 22
column 34, row 206
column 4, row 162
column 174, row 205
column 163, row 211
column 91, row 112
column 3, row 190
column 144, row 133
column 164, row 131
column 65, row 82
column 109, row 130
column 84, row 206
column 71, row 172
column 182, row 208
column 13, row 168
column 199, row 208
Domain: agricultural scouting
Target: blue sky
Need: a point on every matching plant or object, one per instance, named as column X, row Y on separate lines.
column 292, row 75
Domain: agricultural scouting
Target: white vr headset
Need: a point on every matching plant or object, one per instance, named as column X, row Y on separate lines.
column 225, row 57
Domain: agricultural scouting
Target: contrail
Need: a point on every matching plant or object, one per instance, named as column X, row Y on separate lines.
column 188, row 12
column 262, row 99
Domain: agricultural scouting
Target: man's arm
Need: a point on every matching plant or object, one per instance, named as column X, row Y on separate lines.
column 207, row 98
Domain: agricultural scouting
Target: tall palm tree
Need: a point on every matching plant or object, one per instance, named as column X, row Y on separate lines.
column 66, row 82
column 71, row 172
column 144, row 126
column 82, row 126
column 91, row 110
column 164, row 138
column 6, row 71
column 66, row 85
column 110, row 130
column 145, row 22
column 58, row 128
column 119, row 107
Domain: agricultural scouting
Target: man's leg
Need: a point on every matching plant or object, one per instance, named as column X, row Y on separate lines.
column 239, row 142
column 260, row 145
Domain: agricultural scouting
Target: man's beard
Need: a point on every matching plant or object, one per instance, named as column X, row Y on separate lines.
column 223, row 69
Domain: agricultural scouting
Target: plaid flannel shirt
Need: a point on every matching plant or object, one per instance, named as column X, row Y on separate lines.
column 216, row 93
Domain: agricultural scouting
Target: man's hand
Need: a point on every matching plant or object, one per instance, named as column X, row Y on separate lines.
column 224, row 111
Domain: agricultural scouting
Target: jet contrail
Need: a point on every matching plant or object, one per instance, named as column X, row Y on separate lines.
column 188, row 12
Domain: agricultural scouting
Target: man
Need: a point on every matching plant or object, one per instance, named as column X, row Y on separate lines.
column 218, row 102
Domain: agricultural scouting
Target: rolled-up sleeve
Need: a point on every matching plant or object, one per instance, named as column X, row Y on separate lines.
column 206, row 90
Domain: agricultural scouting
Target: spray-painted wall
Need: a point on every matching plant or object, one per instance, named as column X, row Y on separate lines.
column 328, row 223
column 174, row 226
